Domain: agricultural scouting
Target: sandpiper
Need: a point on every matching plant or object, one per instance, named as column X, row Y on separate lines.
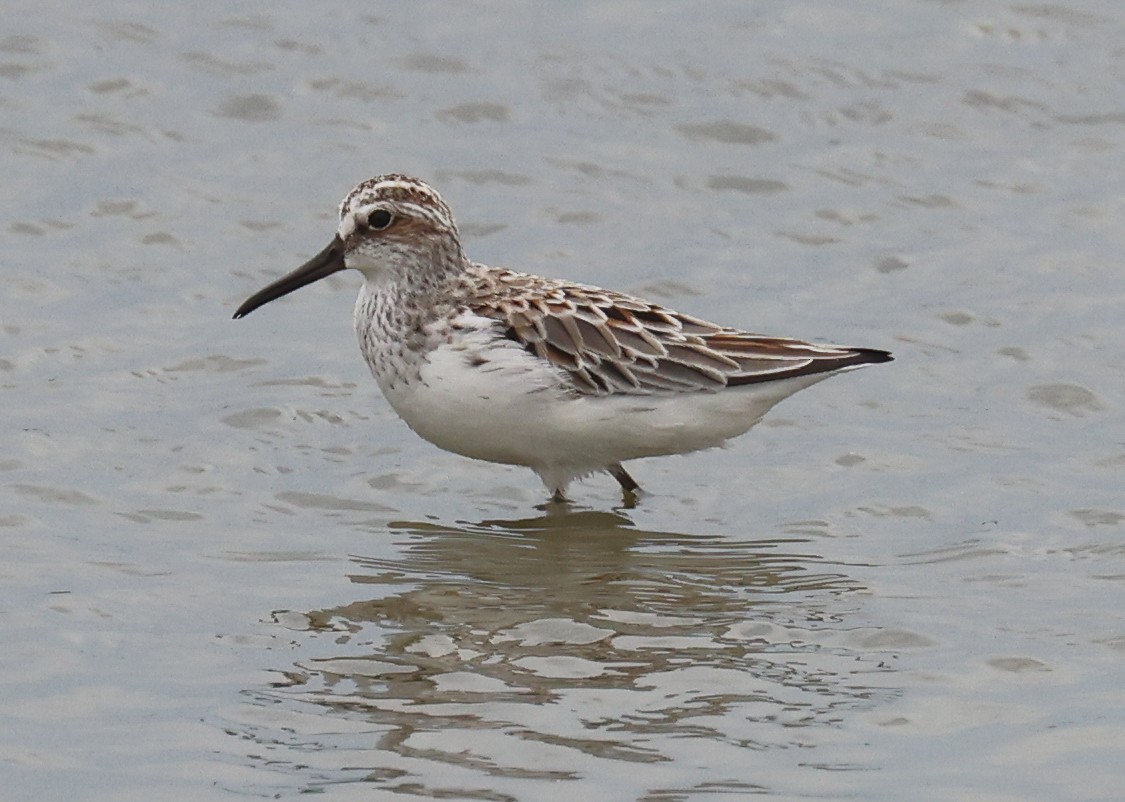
column 563, row 378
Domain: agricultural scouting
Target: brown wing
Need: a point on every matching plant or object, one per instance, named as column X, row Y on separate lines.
column 609, row 342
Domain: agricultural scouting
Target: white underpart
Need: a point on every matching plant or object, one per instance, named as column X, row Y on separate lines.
column 523, row 414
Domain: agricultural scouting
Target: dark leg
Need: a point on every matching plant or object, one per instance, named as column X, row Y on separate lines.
column 627, row 482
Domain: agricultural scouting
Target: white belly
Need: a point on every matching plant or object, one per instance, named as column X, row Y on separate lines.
column 514, row 409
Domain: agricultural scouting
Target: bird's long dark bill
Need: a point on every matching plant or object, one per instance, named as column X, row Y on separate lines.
column 325, row 263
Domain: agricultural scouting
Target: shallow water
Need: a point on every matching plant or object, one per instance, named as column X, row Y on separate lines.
column 230, row 571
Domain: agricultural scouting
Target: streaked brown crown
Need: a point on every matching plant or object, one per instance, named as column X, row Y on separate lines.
column 418, row 197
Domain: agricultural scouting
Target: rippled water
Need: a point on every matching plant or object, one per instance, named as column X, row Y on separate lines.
column 230, row 571
column 571, row 648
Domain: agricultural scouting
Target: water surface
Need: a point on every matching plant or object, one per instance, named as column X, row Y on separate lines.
column 230, row 571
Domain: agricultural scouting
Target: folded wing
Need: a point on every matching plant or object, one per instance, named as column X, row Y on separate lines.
column 610, row 343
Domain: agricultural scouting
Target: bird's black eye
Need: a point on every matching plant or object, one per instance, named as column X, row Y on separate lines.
column 380, row 219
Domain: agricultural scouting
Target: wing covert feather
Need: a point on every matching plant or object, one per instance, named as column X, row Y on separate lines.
column 611, row 343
